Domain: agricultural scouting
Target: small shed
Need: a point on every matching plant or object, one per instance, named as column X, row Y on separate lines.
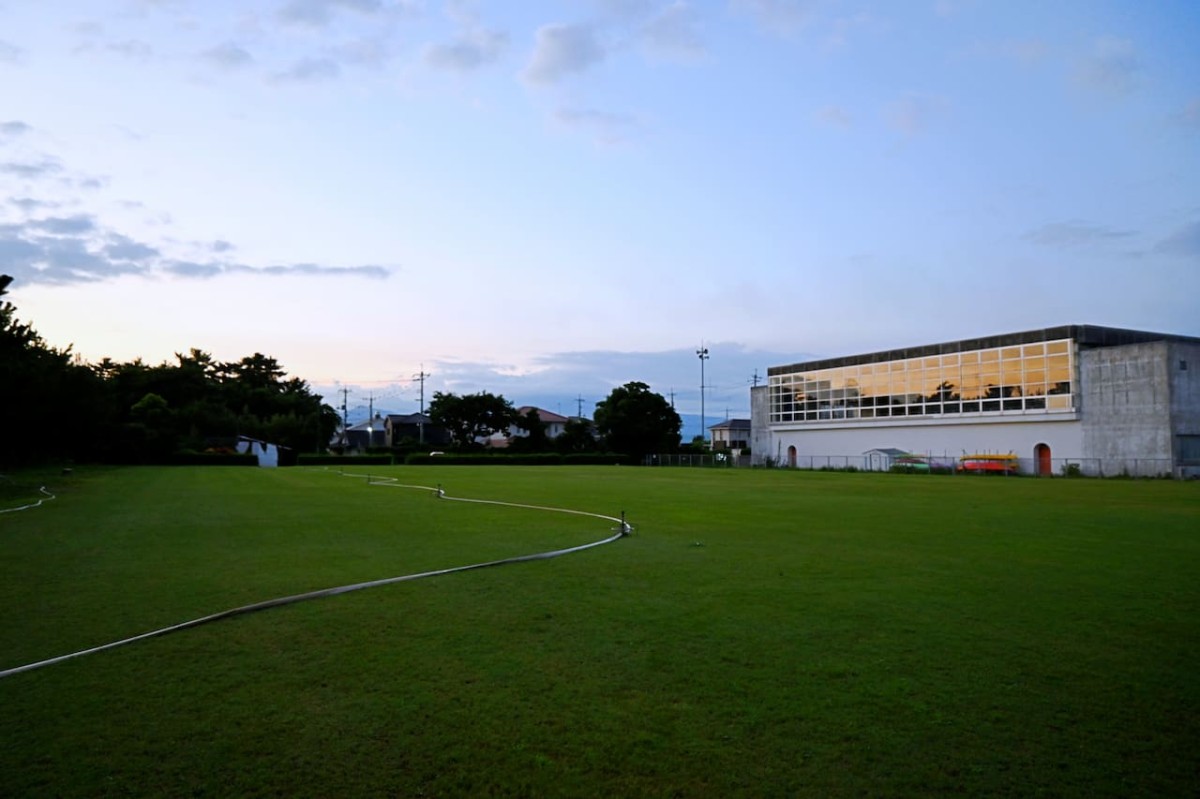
column 882, row 458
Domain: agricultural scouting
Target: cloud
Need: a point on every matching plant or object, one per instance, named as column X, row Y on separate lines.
column 32, row 170
column 221, row 245
column 132, row 48
column 319, row 13
column 609, row 127
column 14, row 128
column 834, row 116
column 10, row 53
column 1184, row 242
column 375, row 272
column 123, row 248
column 470, row 50
column 913, row 113
column 561, row 50
column 309, row 70
column 1189, row 116
column 777, row 17
column 63, row 250
column 1074, row 234
column 64, row 225
column 673, row 32
column 1025, row 52
column 29, row 205
column 1112, row 67
column 227, row 56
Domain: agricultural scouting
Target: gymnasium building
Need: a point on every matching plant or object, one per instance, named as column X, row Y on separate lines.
column 1076, row 398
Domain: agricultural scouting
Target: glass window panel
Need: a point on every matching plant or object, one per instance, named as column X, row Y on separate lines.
column 1033, row 349
column 932, row 363
column 1058, row 402
column 1010, row 375
column 1057, row 346
column 1011, row 353
column 969, row 357
column 950, row 360
column 970, row 407
column 987, row 356
column 990, row 405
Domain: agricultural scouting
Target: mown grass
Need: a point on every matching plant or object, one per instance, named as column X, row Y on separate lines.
column 761, row 634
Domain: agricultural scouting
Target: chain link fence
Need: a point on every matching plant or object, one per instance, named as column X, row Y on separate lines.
column 928, row 463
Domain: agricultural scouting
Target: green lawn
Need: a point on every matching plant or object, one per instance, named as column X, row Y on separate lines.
column 763, row 633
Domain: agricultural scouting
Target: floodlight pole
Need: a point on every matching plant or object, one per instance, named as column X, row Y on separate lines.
column 702, row 353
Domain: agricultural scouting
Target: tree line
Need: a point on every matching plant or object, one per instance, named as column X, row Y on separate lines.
column 55, row 406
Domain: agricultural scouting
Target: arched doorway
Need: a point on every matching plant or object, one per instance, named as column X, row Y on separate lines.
column 1041, row 456
column 791, row 457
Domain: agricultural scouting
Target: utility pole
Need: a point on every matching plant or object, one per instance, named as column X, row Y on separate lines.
column 755, row 379
column 579, row 406
column 345, row 418
column 672, row 393
column 421, row 375
column 702, row 353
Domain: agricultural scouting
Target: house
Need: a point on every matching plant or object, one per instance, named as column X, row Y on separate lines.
column 730, row 434
column 414, row 427
column 553, row 423
column 369, row 434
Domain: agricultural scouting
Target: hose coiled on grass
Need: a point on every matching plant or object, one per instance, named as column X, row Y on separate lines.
column 622, row 530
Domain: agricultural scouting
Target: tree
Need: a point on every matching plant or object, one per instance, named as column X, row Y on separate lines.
column 535, row 439
column 635, row 421
column 45, row 398
column 576, row 436
column 471, row 416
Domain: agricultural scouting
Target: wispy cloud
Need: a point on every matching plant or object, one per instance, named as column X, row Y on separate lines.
column 1189, row 115
column 561, row 50
column 14, row 128
column 609, row 127
column 468, row 51
column 319, row 13
column 778, row 17
column 77, row 249
column 1074, row 234
column 1184, row 242
column 10, row 53
column 32, row 170
column 228, row 56
column 1113, row 66
column 674, row 32
column 308, row 70
column 914, row 112
column 834, row 116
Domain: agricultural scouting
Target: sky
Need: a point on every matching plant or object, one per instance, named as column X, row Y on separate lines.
column 547, row 200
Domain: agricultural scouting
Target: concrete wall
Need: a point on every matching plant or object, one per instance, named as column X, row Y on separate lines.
column 1183, row 368
column 942, row 439
column 1125, row 400
column 760, row 434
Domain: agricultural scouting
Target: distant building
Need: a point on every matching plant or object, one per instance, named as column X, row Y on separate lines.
column 553, row 422
column 369, row 434
column 1110, row 400
column 416, row 427
column 730, row 434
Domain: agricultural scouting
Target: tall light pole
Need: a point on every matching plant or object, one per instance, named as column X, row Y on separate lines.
column 702, row 353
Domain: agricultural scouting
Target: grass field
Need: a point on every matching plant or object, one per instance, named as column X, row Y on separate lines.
column 762, row 633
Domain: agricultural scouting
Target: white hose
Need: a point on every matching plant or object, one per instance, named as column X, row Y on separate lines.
column 32, row 505
column 623, row 530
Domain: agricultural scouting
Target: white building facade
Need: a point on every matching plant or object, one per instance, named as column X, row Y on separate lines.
column 1095, row 399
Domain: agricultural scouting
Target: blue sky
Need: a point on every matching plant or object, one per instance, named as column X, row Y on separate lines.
column 549, row 199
